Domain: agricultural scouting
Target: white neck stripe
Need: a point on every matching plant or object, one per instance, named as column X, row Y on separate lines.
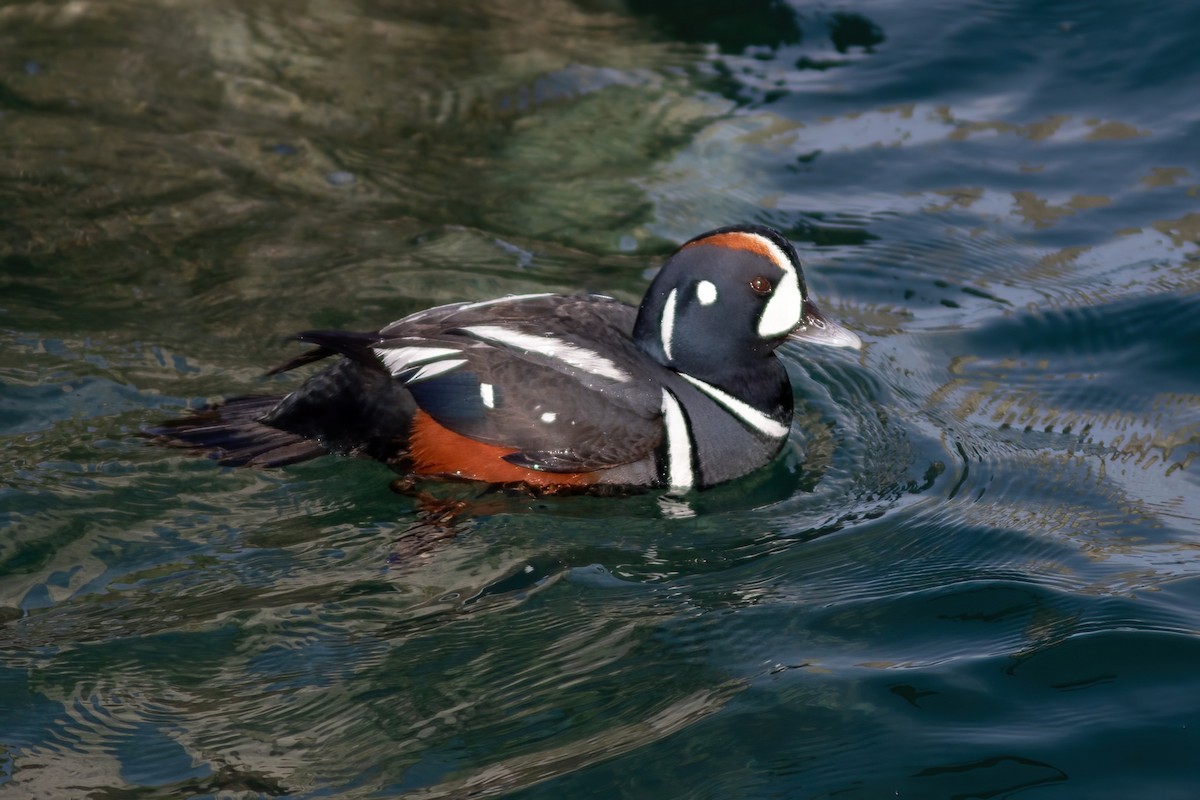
column 667, row 327
column 578, row 357
column 679, row 444
column 743, row 411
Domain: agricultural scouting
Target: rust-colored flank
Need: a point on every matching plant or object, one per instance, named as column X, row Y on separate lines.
column 437, row 450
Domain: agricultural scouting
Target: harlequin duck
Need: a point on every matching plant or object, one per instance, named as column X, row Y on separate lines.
column 555, row 392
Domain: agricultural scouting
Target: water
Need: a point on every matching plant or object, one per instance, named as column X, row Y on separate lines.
column 973, row 574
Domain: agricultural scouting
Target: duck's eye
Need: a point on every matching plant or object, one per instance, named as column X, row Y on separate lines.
column 760, row 285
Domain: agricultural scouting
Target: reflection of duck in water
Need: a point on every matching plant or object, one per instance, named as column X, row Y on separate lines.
column 556, row 392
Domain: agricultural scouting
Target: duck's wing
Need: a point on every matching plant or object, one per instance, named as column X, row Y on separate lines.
column 579, row 399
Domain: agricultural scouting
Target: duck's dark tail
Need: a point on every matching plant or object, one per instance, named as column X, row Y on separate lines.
column 233, row 433
column 348, row 408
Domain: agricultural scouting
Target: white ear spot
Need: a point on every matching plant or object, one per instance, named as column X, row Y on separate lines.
column 549, row 416
column 706, row 293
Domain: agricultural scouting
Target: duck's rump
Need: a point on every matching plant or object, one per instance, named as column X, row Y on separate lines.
column 347, row 409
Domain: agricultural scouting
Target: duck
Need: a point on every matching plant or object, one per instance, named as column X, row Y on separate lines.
column 554, row 392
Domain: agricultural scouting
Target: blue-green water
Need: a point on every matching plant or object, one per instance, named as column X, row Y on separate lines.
column 975, row 574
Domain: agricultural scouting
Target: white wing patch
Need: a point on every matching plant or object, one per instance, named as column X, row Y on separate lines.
column 433, row 370
column 578, row 357
column 399, row 359
column 415, row 364
column 743, row 411
column 679, row 444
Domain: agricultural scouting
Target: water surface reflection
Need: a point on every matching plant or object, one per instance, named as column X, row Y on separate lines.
column 974, row 559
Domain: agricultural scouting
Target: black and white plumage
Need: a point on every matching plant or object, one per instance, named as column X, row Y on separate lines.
column 555, row 392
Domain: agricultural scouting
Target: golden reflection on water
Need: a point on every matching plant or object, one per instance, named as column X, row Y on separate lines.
column 523, row 771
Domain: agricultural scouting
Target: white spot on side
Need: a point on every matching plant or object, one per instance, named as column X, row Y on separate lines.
column 743, row 411
column 398, row 359
column 679, row 444
column 487, row 393
column 549, row 416
column 706, row 293
column 433, row 370
column 579, row 357
column 667, row 324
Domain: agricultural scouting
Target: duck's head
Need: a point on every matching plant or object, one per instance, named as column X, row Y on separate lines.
column 728, row 298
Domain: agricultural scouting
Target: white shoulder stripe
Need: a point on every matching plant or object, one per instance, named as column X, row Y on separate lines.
column 679, row 444
column 743, row 411
column 579, row 357
column 508, row 298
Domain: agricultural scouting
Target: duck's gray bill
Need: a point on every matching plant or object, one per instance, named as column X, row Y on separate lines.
column 815, row 328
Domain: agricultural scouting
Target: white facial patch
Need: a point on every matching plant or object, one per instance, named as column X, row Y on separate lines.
column 549, row 417
column 550, row 347
column 679, row 444
column 667, row 326
column 706, row 293
column 785, row 305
